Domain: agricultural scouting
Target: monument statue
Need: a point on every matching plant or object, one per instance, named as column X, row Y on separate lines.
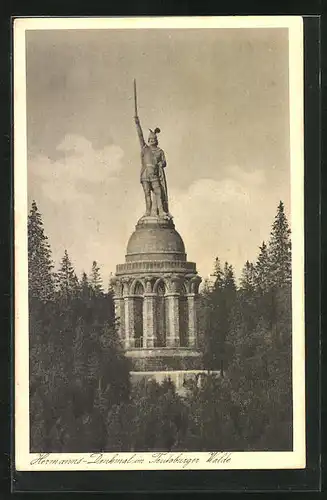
column 156, row 288
column 152, row 178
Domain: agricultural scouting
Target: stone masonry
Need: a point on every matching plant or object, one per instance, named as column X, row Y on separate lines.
column 155, row 294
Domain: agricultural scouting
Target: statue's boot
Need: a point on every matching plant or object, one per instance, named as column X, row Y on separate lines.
column 161, row 211
column 148, row 205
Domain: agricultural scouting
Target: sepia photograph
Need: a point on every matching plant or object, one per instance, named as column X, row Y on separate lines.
column 159, row 243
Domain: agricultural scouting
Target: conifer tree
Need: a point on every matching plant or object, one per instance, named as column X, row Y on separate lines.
column 280, row 249
column 226, row 313
column 85, row 286
column 211, row 317
column 219, row 311
column 218, row 275
column 67, row 281
column 262, row 270
column 110, row 285
column 205, row 287
column 229, row 278
column 95, row 279
column 84, row 281
column 247, row 282
column 40, row 265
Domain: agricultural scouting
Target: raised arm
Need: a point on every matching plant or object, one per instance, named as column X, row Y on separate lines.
column 139, row 131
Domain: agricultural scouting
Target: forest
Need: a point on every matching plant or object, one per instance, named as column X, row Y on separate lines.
column 81, row 395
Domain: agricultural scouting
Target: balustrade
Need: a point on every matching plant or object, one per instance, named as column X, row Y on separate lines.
column 173, row 265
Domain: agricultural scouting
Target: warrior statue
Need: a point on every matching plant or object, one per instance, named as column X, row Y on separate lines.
column 152, row 177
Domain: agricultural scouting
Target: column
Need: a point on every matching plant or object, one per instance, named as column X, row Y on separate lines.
column 192, row 319
column 129, row 322
column 149, row 320
column 120, row 316
column 172, row 339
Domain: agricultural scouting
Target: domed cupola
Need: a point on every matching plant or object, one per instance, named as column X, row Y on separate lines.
column 155, row 241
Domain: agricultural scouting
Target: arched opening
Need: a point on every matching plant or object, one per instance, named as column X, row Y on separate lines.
column 138, row 314
column 183, row 318
column 161, row 316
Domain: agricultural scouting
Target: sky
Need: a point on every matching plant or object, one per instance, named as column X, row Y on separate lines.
column 220, row 98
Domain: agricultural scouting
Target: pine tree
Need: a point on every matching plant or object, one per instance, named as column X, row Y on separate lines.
column 218, row 275
column 85, row 286
column 227, row 305
column 205, row 287
column 84, row 281
column 95, row 279
column 247, row 282
column 229, row 278
column 67, row 281
column 245, row 310
column 280, row 249
column 262, row 270
column 219, row 303
column 210, row 317
column 40, row 265
column 111, row 290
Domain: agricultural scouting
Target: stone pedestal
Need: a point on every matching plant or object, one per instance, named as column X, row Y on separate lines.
column 156, row 277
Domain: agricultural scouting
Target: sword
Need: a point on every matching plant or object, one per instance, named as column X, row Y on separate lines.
column 135, row 98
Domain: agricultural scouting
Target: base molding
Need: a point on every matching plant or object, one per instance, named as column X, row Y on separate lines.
column 165, row 358
column 180, row 378
column 155, row 352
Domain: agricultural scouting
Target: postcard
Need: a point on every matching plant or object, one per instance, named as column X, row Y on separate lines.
column 159, row 243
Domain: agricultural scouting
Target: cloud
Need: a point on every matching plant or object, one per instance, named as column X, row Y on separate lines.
column 77, row 195
column 90, row 204
column 77, row 171
column 89, row 192
column 227, row 218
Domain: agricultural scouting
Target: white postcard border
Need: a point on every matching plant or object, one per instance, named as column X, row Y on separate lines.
column 26, row 461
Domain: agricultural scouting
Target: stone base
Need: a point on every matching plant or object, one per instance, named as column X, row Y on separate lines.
column 180, row 378
column 165, row 358
column 155, row 220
